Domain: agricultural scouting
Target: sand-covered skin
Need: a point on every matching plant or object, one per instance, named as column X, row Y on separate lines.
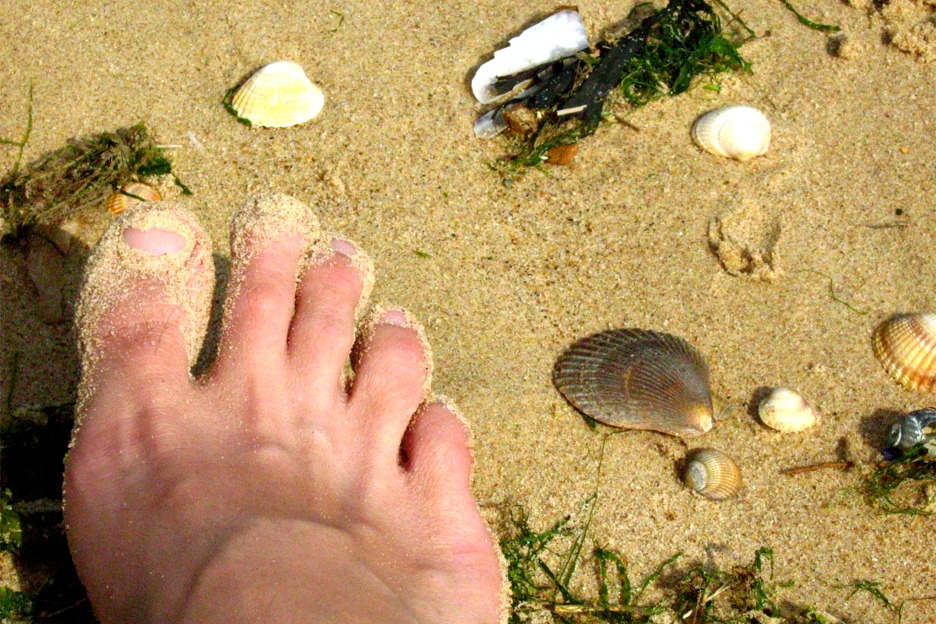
column 115, row 269
column 505, row 278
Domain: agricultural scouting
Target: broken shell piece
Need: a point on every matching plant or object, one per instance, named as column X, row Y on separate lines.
column 787, row 411
column 129, row 194
column 278, row 95
column 638, row 379
column 560, row 35
column 913, row 429
column 561, row 154
column 739, row 132
column 905, row 345
column 712, row 474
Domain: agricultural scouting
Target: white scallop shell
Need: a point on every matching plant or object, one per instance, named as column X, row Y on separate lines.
column 739, row 132
column 278, row 95
column 785, row 410
column 560, row 35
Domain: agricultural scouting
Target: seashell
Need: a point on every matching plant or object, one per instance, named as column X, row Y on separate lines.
column 278, row 95
column 905, row 345
column 129, row 194
column 739, row 132
column 561, row 154
column 712, row 474
column 560, row 35
column 638, row 379
column 785, row 410
column 910, row 431
column 490, row 124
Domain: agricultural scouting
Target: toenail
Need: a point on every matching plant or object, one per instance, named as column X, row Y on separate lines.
column 394, row 317
column 343, row 247
column 154, row 240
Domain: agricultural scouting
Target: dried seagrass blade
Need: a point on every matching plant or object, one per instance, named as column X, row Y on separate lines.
column 638, row 379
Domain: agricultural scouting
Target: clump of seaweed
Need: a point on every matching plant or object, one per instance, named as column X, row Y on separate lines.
column 663, row 56
column 886, row 486
column 541, row 566
column 76, row 177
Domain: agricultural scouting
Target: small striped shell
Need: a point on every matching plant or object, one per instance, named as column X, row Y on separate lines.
column 787, row 411
column 712, row 474
column 638, row 379
column 739, row 132
column 129, row 194
column 278, row 95
column 905, row 345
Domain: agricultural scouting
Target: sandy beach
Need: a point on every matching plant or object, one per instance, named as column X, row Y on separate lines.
column 504, row 277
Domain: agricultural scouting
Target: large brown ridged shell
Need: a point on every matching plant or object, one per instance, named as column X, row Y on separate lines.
column 712, row 474
column 638, row 379
column 905, row 344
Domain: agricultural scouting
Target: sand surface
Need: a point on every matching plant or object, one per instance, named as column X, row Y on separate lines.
column 504, row 278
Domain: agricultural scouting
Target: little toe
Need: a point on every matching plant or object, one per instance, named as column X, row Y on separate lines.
column 437, row 452
column 335, row 284
column 146, row 298
column 392, row 372
column 269, row 236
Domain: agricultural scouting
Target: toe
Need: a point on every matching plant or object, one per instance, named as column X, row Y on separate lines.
column 145, row 302
column 333, row 287
column 392, row 369
column 437, row 451
column 269, row 236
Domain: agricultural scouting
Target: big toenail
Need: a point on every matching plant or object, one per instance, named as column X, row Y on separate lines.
column 394, row 317
column 154, row 240
column 343, row 247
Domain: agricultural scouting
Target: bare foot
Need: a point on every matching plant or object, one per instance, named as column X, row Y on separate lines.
column 274, row 489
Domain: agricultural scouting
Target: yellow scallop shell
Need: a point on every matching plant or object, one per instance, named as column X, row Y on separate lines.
column 905, row 345
column 130, row 194
column 278, row 95
column 712, row 474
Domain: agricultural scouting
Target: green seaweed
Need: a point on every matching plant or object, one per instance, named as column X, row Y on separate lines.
column 885, row 483
column 229, row 107
column 832, row 292
column 543, row 567
column 21, row 144
column 677, row 45
column 78, row 177
column 11, row 528
column 809, row 23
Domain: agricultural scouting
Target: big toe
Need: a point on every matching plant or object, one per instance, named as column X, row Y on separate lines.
column 145, row 303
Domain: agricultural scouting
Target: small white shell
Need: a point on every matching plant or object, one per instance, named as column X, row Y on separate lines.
column 739, row 132
column 278, row 95
column 560, row 35
column 787, row 411
column 712, row 474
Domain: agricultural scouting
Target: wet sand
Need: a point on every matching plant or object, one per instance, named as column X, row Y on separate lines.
column 503, row 278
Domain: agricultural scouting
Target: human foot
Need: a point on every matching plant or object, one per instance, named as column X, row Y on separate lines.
column 274, row 489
